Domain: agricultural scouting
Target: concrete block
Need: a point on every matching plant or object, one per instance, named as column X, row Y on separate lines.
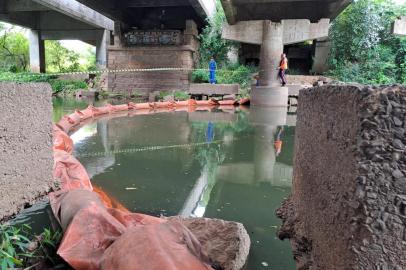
column 26, row 156
column 269, row 96
column 348, row 204
column 213, row 89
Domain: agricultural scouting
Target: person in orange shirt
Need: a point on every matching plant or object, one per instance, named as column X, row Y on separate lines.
column 283, row 66
column 278, row 142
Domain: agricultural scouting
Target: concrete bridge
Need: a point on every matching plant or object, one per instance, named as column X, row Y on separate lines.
column 126, row 33
column 272, row 24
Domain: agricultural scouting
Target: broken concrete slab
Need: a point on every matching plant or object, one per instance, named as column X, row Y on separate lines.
column 226, row 243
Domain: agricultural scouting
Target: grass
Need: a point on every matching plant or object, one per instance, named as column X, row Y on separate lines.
column 57, row 85
column 20, row 248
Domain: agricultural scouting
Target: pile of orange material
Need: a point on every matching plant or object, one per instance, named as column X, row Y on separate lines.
column 99, row 232
column 68, row 122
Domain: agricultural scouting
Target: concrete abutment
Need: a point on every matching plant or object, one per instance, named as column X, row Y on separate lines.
column 348, row 204
column 26, row 159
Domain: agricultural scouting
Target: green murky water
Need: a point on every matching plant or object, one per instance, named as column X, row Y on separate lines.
column 219, row 164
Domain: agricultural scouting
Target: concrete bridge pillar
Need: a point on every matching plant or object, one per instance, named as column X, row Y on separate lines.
column 270, row 92
column 321, row 55
column 37, row 52
column 272, row 37
column 271, row 50
column 102, row 44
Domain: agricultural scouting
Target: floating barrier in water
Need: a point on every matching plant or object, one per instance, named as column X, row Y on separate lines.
column 147, row 148
column 99, row 232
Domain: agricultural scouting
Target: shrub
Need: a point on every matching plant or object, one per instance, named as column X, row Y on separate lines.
column 200, row 76
column 67, row 86
column 20, row 248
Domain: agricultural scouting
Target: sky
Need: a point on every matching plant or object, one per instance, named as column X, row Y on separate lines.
column 76, row 45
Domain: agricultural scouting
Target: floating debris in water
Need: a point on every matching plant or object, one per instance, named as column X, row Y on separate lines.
column 218, row 210
column 130, row 188
column 265, row 264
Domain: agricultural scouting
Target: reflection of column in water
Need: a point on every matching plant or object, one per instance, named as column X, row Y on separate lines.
column 265, row 120
column 98, row 164
column 102, row 130
column 264, row 153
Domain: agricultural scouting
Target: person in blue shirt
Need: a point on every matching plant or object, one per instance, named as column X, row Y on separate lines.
column 210, row 132
column 212, row 69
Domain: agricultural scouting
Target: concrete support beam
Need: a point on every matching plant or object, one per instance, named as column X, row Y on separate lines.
column 321, row 56
column 71, row 34
column 79, row 12
column 399, row 27
column 271, row 50
column 294, row 31
column 23, row 6
column 37, row 51
column 205, row 8
column 102, row 43
column 23, row 19
column 272, row 36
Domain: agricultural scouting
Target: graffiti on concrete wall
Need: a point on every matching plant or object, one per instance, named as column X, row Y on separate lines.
column 153, row 37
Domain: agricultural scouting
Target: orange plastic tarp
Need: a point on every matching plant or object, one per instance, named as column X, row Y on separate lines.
column 70, row 172
column 61, row 140
column 85, row 114
column 99, row 232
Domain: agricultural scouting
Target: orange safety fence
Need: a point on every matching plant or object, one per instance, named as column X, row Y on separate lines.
column 100, row 232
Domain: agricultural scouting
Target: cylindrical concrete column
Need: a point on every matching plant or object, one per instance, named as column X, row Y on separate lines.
column 271, row 50
column 37, row 51
column 101, row 48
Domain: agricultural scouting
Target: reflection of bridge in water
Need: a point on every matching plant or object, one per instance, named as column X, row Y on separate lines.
column 261, row 165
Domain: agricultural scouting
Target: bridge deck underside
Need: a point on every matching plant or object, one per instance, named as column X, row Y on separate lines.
column 276, row 10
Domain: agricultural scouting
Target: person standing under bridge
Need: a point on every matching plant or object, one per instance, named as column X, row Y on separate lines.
column 212, row 71
column 283, row 66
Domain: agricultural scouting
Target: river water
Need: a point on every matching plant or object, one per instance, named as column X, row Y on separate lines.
column 219, row 164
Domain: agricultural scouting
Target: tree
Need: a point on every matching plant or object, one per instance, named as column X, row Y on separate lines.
column 211, row 43
column 363, row 48
column 13, row 49
column 59, row 58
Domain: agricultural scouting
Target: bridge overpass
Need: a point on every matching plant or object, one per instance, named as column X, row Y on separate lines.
column 272, row 24
column 142, row 31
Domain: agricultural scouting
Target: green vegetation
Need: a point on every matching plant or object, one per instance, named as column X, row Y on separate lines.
column 14, row 53
column 18, row 250
column 363, row 48
column 61, row 59
column 58, row 86
column 241, row 74
column 177, row 95
column 211, row 44
column 13, row 50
